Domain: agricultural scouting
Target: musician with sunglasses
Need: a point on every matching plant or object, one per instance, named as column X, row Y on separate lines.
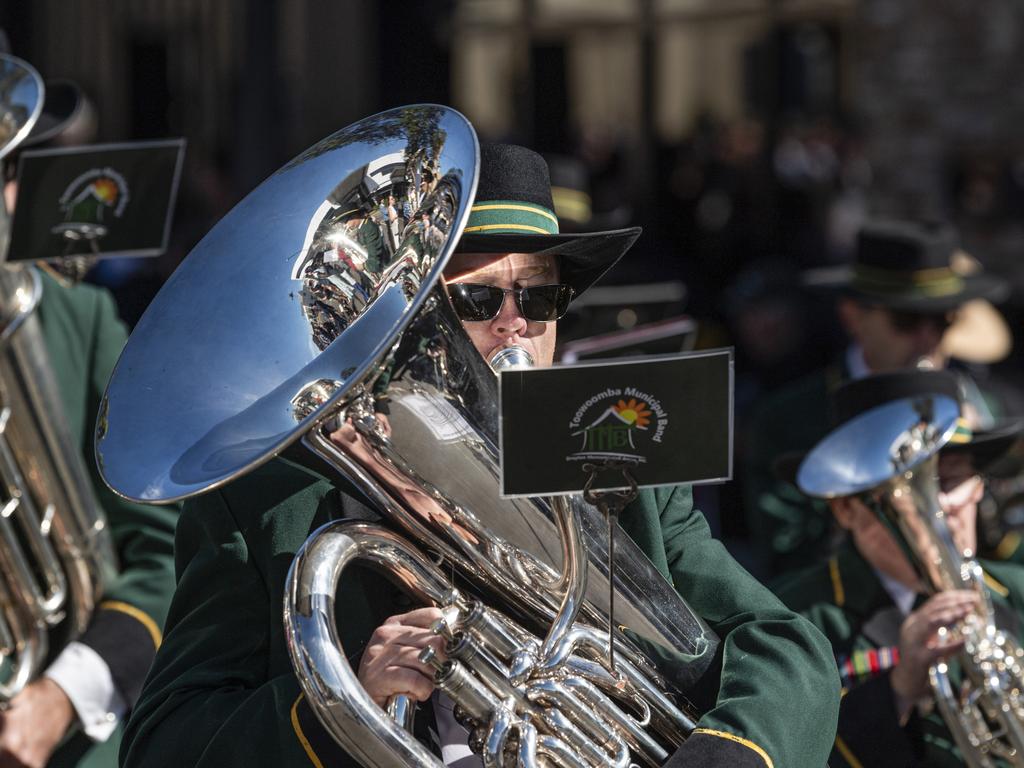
column 899, row 302
column 222, row 691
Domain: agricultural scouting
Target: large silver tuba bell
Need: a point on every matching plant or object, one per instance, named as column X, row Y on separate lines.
column 891, row 452
column 55, row 549
column 312, row 320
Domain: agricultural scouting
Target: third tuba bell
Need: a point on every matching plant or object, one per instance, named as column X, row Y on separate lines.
column 891, row 453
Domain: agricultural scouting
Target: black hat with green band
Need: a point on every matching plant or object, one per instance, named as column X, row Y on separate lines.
column 513, row 212
column 910, row 266
column 983, row 446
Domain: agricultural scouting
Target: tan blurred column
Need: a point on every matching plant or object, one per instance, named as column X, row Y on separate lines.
column 604, row 73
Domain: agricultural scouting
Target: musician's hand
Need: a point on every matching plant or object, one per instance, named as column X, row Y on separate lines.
column 390, row 663
column 921, row 646
column 33, row 725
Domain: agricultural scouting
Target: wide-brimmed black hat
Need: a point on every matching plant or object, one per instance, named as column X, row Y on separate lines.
column 61, row 105
column 984, row 446
column 62, row 101
column 513, row 212
column 910, row 266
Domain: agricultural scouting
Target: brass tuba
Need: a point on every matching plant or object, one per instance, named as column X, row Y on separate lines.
column 316, row 329
column 55, row 549
column 891, row 451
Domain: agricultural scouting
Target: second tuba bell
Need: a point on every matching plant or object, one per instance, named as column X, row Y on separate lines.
column 55, row 548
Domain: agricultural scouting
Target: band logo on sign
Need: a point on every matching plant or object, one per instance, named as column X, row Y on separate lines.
column 617, row 423
column 87, row 199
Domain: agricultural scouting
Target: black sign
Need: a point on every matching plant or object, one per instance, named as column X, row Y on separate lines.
column 102, row 200
column 668, row 418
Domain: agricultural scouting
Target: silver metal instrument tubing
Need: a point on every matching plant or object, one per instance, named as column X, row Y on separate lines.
column 891, row 452
column 362, row 360
column 511, row 357
column 55, row 549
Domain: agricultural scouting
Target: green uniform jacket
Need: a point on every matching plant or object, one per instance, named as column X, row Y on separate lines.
column 790, row 529
column 84, row 337
column 845, row 600
column 222, row 691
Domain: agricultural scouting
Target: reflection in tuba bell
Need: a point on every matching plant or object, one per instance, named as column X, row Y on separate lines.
column 55, row 549
column 891, row 451
column 356, row 340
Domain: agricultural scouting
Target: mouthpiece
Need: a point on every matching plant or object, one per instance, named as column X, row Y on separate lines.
column 511, row 357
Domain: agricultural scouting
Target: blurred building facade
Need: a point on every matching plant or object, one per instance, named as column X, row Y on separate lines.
column 538, row 70
column 631, row 86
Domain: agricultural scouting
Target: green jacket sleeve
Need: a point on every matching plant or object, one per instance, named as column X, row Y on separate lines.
column 84, row 337
column 212, row 698
column 778, row 690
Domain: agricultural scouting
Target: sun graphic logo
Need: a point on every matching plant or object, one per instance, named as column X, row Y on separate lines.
column 633, row 413
column 95, row 197
column 106, row 190
column 616, row 424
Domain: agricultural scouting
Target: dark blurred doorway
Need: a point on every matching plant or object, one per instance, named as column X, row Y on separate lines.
column 149, row 89
column 550, row 89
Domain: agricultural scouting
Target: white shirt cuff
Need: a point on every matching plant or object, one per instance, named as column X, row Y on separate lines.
column 85, row 678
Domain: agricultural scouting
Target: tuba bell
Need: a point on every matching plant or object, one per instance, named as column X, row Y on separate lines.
column 55, row 549
column 891, row 452
column 321, row 333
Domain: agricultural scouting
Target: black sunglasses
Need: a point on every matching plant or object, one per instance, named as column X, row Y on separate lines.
column 539, row 303
column 908, row 322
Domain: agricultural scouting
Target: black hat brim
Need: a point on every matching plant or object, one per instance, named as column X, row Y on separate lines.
column 976, row 286
column 62, row 102
column 988, row 446
column 584, row 257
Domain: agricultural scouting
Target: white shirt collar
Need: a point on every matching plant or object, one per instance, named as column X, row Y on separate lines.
column 855, row 362
column 900, row 593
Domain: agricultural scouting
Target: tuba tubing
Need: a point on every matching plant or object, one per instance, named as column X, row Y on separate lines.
column 55, row 548
column 379, row 739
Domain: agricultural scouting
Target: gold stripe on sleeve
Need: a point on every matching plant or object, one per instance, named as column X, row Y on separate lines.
column 1007, row 546
column 994, row 585
column 848, row 756
column 139, row 615
column 838, row 592
column 301, row 736
column 739, row 740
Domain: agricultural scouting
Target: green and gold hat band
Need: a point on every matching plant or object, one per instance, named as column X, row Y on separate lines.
column 963, row 433
column 938, row 281
column 511, row 217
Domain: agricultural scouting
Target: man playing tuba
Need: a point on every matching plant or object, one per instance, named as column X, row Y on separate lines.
column 874, row 605
column 222, row 691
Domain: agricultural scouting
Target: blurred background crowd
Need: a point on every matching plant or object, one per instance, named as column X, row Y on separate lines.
column 751, row 139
